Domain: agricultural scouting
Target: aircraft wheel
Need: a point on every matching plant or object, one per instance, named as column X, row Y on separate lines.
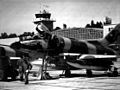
column 115, row 73
column 89, row 73
column 112, row 74
column 67, row 73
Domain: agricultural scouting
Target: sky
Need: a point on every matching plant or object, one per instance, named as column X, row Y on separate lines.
column 17, row 16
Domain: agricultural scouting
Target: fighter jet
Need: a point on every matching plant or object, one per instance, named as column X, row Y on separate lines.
column 71, row 54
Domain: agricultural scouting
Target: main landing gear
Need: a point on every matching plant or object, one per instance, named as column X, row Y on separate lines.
column 67, row 73
column 113, row 72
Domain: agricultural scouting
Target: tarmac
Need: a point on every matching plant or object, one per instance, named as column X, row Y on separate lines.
column 78, row 81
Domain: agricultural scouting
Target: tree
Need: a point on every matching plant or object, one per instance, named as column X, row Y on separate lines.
column 92, row 23
column 87, row 26
column 101, row 24
column 108, row 20
column 12, row 35
column 4, row 35
column 64, row 26
column 57, row 28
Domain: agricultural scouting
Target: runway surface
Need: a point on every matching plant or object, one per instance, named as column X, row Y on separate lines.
column 78, row 81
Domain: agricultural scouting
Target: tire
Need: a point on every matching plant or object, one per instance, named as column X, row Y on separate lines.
column 115, row 73
column 67, row 73
column 89, row 73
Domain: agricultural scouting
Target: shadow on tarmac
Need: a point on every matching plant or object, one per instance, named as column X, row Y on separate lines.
column 63, row 76
column 84, row 75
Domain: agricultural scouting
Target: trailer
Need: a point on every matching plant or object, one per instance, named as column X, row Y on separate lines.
column 8, row 65
column 7, row 68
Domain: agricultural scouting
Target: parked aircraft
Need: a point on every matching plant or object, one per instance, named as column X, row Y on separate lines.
column 68, row 53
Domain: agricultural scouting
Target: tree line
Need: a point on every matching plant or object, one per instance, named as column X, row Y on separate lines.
column 99, row 24
column 94, row 25
column 14, row 35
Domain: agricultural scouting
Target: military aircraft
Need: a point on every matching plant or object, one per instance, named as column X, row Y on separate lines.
column 70, row 54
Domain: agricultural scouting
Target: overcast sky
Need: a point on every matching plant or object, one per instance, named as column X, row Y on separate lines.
column 17, row 16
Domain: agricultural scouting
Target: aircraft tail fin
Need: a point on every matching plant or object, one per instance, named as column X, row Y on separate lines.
column 113, row 36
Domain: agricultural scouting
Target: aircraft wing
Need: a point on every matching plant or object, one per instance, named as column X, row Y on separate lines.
column 90, row 56
column 98, row 57
column 69, row 54
column 89, row 61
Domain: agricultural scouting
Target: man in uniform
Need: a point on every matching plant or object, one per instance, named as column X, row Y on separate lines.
column 24, row 67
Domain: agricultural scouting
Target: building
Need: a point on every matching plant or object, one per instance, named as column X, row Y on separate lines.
column 77, row 33
column 44, row 17
column 107, row 28
column 80, row 33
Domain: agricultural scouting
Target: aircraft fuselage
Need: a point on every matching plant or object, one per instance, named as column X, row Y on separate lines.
column 62, row 44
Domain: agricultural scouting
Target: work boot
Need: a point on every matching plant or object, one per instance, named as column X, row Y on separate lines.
column 21, row 78
column 26, row 77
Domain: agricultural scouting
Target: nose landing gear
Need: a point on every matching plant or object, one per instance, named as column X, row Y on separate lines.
column 89, row 73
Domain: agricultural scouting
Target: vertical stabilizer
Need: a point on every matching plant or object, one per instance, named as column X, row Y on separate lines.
column 112, row 37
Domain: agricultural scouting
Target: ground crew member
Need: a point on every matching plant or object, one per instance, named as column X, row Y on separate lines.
column 24, row 67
